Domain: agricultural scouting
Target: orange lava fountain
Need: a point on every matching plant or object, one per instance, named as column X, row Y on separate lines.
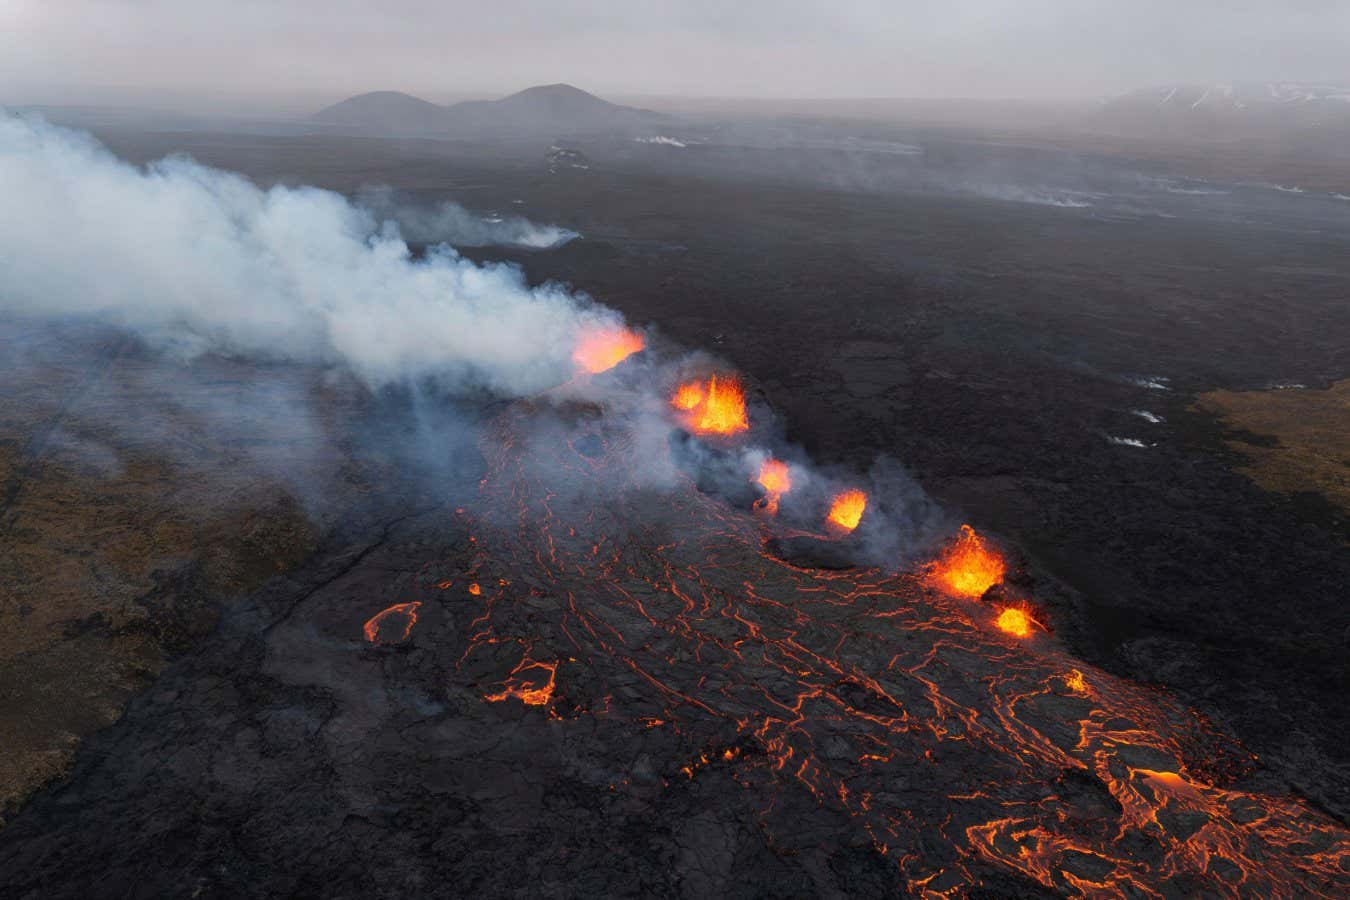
column 847, row 510
column 969, row 567
column 602, row 349
column 688, row 396
column 404, row 614
column 718, row 408
column 776, row 479
column 1014, row 621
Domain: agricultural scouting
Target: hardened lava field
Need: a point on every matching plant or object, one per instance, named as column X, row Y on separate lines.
column 955, row 735
column 578, row 682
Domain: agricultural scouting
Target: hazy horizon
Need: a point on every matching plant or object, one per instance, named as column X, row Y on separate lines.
column 298, row 55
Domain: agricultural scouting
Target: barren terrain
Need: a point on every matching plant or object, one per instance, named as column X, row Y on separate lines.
column 1032, row 352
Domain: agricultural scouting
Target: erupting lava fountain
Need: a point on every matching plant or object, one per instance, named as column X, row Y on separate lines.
column 847, row 510
column 776, row 479
column 714, row 408
column 969, row 567
column 602, row 349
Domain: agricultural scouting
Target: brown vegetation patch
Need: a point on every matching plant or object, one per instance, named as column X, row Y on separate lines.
column 1311, row 432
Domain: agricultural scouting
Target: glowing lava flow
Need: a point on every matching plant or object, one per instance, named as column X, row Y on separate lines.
column 968, row 762
column 716, row 408
column 847, row 509
column 776, row 479
column 401, row 616
column 602, row 349
column 530, row 682
column 969, row 567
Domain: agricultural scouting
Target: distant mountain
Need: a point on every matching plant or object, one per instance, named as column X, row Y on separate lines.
column 386, row 111
column 547, row 109
column 1278, row 110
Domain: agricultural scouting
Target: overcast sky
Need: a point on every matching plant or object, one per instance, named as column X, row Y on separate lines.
column 741, row 48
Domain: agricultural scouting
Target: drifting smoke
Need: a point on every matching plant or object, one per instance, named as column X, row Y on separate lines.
column 1064, row 199
column 206, row 265
column 450, row 223
column 661, row 140
column 198, row 260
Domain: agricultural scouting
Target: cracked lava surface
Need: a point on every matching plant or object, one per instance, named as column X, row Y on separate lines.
column 587, row 686
column 955, row 736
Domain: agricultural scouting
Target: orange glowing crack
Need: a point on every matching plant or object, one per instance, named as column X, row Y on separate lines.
column 527, row 685
column 1169, row 783
column 706, row 758
column 849, row 708
column 401, row 616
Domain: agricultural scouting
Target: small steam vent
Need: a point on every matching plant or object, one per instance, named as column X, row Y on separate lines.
column 560, row 158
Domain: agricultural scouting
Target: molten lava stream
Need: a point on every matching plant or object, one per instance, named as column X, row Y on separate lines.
column 887, row 702
column 602, row 349
column 530, row 682
column 393, row 625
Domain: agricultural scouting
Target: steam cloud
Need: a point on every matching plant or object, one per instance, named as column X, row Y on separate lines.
column 199, row 260
column 196, row 260
column 453, row 224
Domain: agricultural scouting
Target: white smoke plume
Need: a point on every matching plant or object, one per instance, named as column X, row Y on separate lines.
column 200, row 260
column 453, row 224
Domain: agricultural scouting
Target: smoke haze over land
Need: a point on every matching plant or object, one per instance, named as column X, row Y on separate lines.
column 452, row 224
column 796, row 467
column 87, row 49
column 199, row 260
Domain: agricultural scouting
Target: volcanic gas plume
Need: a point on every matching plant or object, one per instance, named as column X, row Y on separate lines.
column 198, row 260
column 601, row 349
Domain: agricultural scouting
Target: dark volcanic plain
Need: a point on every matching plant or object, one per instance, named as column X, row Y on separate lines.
column 994, row 317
